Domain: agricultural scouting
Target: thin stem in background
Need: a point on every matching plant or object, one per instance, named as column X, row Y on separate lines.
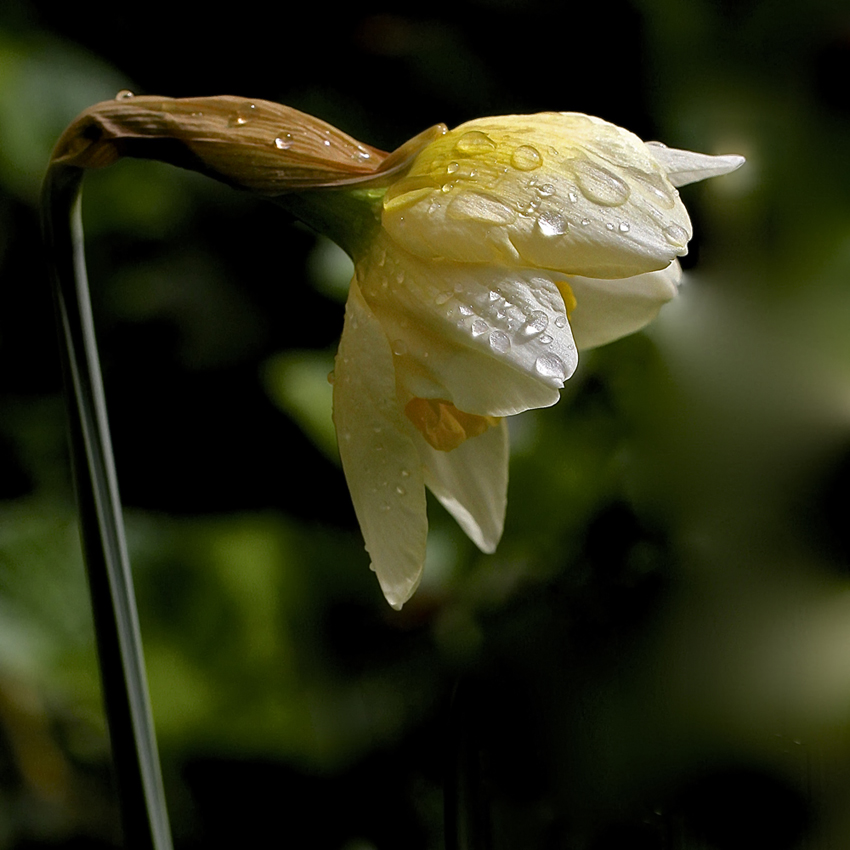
column 125, row 691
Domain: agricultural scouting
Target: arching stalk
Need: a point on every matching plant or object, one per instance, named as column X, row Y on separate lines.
column 125, row 691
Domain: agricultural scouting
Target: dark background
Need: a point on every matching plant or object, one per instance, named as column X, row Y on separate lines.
column 658, row 656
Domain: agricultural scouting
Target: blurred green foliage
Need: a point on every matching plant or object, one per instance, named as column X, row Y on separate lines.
column 658, row 656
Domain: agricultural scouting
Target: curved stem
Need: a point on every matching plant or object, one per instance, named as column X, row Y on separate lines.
column 134, row 752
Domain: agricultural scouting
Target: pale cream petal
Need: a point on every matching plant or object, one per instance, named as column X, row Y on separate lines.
column 471, row 482
column 609, row 309
column 380, row 461
column 558, row 191
column 683, row 167
column 491, row 342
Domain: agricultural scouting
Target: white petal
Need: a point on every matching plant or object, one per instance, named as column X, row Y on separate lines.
column 685, row 167
column 558, row 191
column 471, row 482
column 609, row 309
column 492, row 342
column 381, row 463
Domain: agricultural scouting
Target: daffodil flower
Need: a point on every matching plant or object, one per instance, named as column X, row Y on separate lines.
column 485, row 258
column 509, row 244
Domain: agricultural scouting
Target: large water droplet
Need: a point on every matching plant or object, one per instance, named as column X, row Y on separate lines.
column 536, row 323
column 473, row 206
column 676, row 236
column 526, row 158
column 399, row 347
column 551, row 366
column 499, row 341
column 284, row 142
column 600, row 185
column 552, row 224
column 560, row 321
column 479, row 326
column 474, row 142
column 124, row 94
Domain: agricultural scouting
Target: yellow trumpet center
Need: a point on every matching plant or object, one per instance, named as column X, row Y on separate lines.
column 567, row 294
column 443, row 425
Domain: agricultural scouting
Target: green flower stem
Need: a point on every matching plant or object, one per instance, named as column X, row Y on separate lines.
column 350, row 217
column 128, row 712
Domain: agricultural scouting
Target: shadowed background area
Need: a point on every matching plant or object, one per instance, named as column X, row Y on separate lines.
column 658, row 655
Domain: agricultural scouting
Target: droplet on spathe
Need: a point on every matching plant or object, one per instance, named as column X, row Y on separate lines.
column 526, row 158
column 625, row 227
column 124, row 94
column 536, row 323
column 283, row 143
column 560, row 321
column 546, row 190
column 552, row 224
column 499, row 341
column 600, row 185
column 551, row 366
column 243, row 115
column 452, row 167
column 475, row 142
column 479, row 326
column 545, row 339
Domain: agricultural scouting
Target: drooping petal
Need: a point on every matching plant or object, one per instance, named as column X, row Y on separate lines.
column 609, row 309
column 491, row 342
column 471, row 482
column 379, row 458
column 562, row 191
column 683, row 167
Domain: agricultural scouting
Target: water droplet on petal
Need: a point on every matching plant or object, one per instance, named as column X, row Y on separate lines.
column 536, row 323
column 545, row 339
column 442, row 298
column 124, row 94
column 399, row 347
column 452, row 167
column 473, row 206
column 479, row 326
column 526, row 158
column 600, row 185
column 400, row 490
column 676, row 236
column 546, row 190
column 552, row 224
column 499, row 341
column 625, row 227
column 551, row 366
column 475, row 142
column 283, row 143
column 560, row 321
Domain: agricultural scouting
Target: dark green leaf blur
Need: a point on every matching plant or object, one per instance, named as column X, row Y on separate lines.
column 658, row 655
